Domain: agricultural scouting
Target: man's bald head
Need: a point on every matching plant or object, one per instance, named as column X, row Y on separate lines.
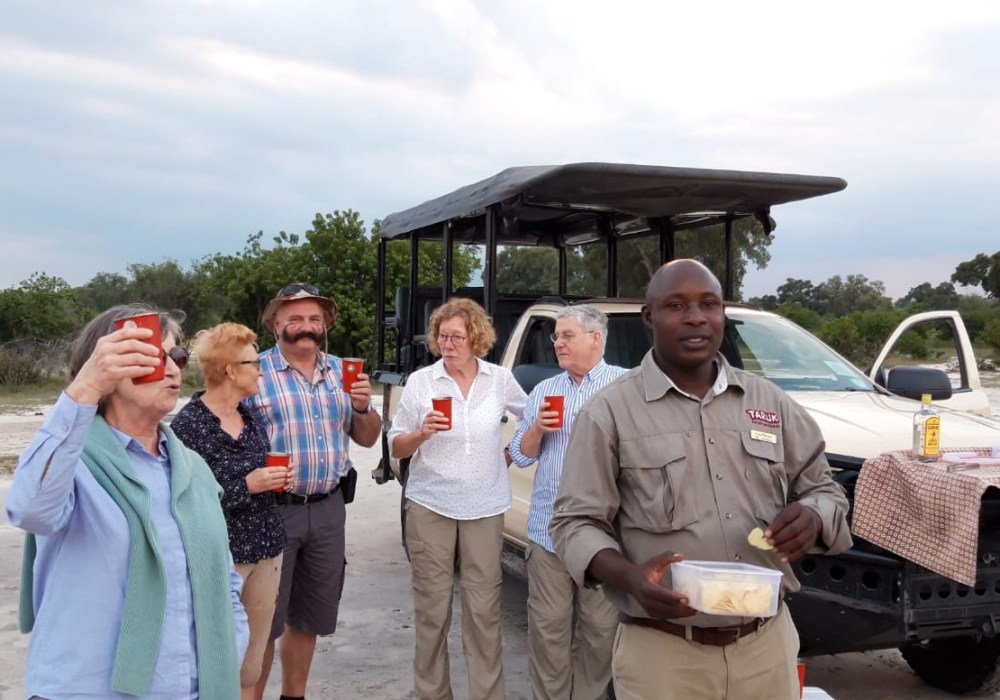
column 685, row 311
column 673, row 273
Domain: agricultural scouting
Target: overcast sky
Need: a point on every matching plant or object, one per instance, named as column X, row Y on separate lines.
column 143, row 131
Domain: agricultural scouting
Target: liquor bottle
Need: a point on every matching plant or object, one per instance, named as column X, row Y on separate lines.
column 926, row 432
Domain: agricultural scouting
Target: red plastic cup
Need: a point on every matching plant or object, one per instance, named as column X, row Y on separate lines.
column 556, row 403
column 277, row 459
column 351, row 367
column 443, row 404
column 152, row 322
column 801, row 666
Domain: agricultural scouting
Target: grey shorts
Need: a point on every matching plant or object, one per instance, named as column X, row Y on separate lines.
column 312, row 570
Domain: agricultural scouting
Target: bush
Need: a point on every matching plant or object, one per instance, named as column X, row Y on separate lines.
column 18, row 368
column 991, row 334
column 914, row 345
column 842, row 335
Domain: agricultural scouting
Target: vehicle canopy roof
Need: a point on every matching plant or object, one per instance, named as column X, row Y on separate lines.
column 561, row 204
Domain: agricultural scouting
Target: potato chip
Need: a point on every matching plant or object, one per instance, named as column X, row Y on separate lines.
column 735, row 598
column 756, row 538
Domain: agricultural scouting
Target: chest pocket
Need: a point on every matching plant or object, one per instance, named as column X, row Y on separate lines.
column 656, row 485
column 766, row 476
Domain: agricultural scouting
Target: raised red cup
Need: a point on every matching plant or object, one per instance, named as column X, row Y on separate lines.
column 800, row 665
column 351, row 367
column 558, row 404
column 278, row 459
column 443, row 404
column 152, row 322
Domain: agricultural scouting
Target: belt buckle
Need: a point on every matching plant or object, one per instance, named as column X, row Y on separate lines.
column 736, row 635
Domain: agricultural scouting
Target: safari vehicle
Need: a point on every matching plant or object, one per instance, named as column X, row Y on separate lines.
column 594, row 232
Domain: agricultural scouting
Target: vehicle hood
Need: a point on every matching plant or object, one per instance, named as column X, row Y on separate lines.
column 865, row 424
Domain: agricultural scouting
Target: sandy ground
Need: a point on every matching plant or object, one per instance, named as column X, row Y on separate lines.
column 371, row 654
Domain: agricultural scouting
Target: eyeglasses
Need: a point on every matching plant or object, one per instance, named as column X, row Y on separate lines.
column 566, row 335
column 293, row 289
column 179, row 354
column 456, row 340
column 255, row 363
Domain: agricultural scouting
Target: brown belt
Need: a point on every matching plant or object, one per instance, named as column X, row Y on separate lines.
column 713, row 636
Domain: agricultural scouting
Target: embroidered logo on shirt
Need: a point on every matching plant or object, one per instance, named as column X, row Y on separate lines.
column 768, row 418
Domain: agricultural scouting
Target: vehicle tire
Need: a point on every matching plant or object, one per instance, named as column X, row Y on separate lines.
column 958, row 664
column 611, row 690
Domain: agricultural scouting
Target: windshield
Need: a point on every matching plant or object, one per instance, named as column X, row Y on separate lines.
column 789, row 356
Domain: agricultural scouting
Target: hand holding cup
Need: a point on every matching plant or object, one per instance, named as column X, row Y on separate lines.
column 550, row 418
column 127, row 353
column 438, row 419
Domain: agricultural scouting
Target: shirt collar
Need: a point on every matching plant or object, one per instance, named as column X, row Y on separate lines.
column 657, row 383
column 438, row 371
column 127, row 440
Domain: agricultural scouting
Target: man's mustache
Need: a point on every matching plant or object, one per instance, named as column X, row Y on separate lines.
column 315, row 337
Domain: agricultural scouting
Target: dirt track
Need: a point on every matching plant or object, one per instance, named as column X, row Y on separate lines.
column 371, row 653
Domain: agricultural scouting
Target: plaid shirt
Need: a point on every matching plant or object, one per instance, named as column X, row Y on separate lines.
column 309, row 418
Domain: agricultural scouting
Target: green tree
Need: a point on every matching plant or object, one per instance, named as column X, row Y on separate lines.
column 104, row 290
column 638, row 258
column 991, row 334
column 982, row 271
column 807, row 318
column 840, row 296
column 842, row 335
column 796, row 291
column 924, row 297
column 42, row 307
column 338, row 256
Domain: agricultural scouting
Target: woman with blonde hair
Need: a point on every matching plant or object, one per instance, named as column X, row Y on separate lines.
column 457, row 491
column 216, row 424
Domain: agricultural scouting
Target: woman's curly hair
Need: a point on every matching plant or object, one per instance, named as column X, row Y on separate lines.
column 478, row 325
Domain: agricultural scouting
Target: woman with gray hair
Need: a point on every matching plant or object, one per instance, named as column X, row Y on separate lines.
column 127, row 585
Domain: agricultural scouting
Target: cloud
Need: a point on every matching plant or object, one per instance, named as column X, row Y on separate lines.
column 176, row 129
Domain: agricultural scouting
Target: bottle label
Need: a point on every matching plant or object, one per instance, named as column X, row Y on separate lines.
column 931, row 439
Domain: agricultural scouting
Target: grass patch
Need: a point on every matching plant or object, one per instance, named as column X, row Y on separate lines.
column 23, row 397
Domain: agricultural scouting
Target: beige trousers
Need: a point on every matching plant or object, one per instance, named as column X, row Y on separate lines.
column 260, row 593
column 434, row 543
column 651, row 665
column 571, row 632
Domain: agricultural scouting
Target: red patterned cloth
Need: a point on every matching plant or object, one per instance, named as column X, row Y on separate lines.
column 923, row 512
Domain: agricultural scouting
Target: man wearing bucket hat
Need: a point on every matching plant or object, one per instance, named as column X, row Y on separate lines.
column 310, row 417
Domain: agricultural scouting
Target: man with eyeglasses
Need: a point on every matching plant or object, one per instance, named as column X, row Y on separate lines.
column 570, row 628
column 310, row 417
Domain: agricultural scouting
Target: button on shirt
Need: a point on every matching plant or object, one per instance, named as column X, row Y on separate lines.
column 82, row 566
column 307, row 417
column 553, row 446
column 655, row 469
column 460, row 473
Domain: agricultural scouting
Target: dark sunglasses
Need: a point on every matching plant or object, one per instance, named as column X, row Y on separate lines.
column 179, row 354
column 293, row 289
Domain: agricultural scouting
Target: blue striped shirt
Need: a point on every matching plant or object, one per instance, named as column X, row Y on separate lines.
column 307, row 417
column 553, row 447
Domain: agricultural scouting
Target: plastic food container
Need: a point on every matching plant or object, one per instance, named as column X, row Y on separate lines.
column 728, row 588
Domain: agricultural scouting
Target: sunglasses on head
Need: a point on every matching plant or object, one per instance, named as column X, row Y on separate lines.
column 179, row 354
column 293, row 289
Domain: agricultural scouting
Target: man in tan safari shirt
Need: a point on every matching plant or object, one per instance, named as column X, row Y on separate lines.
column 681, row 458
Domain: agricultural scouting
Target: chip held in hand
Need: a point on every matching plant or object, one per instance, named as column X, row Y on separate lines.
column 756, row 538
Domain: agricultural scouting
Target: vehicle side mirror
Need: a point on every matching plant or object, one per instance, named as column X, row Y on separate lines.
column 912, row 382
